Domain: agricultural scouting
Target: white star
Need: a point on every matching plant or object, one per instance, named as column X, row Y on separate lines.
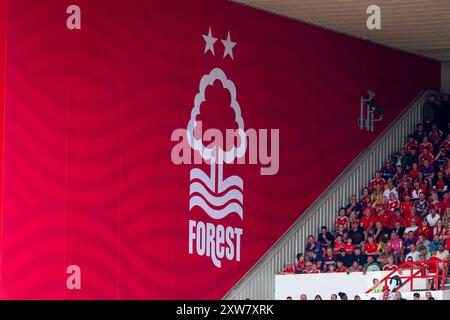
column 209, row 41
column 228, row 46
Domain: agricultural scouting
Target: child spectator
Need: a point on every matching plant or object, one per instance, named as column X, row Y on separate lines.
column 390, row 266
column 370, row 247
column 338, row 244
column 289, row 269
column 349, row 246
column 341, row 267
column 355, row 267
column 300, row 262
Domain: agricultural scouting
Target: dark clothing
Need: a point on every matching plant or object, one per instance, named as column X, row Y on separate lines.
column 357, row 208
column 408, row 242
column 440, row 116
column 427, row 171
column 327, row 261
column 429, row 109
column 383, row 233
column 361, row 258
column 356, row 235
column 399, row 232
column 328, row 236
column 419, row 136
column 387, row 172
column 346, row 259
column 316, row 247
column 410, row 159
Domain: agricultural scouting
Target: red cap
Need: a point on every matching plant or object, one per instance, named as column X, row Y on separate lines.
column 386, row 288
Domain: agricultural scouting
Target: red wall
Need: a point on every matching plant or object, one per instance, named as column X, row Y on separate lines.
column 2, row 102
column 88, row 177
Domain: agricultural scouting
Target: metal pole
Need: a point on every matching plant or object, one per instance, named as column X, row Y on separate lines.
column 361, row 114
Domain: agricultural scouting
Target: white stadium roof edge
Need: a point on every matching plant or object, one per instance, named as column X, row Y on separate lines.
column 421, row 27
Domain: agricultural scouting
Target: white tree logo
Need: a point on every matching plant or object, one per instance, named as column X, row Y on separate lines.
column 228, row 190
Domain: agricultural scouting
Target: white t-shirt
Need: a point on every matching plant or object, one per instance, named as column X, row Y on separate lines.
column 432, row 221
column 415, row 255
column 411, row 228
column 442, row 255
column 387, row 192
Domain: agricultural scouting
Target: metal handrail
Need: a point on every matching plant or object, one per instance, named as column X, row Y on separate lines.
column 422, row 267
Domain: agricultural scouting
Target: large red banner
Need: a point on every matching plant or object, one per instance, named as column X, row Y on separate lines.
column 104, row 195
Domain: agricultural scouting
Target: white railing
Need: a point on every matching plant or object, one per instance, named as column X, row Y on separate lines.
column 259, row 281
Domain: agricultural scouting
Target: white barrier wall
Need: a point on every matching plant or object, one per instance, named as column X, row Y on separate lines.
column 325, row 284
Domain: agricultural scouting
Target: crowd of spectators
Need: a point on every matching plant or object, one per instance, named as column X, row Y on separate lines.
column 402, row 215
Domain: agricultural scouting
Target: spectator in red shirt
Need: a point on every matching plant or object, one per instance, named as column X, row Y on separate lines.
column 425, row 230
column 366, row 220
column 289, row 269
column 434, row 201
column 406, row 205
column 426, row 155
column 392, row 203
column 338, row 244
column 439, row 229
column 425, row 145
column 314, row 269
column 411, row 143
column 390, row 266
column 412, row 215
column 370, row 246
column 404, row 191
column 301, row 263
column 377, row 180
column 414, row 171
column 349, row 246
column 445, row 203
column 342, row 219
column 341, row 267
column 365, row 197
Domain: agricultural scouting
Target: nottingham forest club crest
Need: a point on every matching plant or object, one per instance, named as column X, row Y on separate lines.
column 215, row 195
